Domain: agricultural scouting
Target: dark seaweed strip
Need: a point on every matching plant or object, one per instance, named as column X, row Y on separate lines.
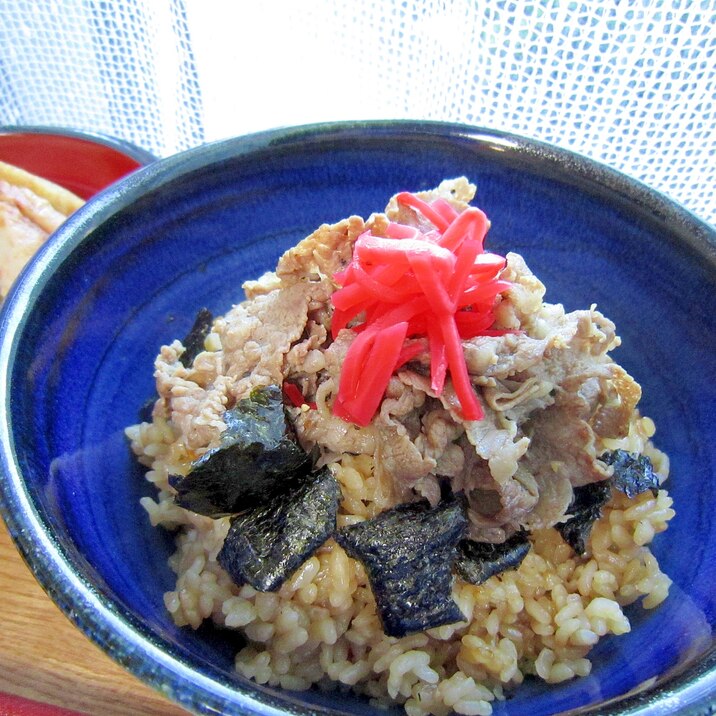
column 478, row 561
column 193, row 345
column 408, row 552
column 258, row 456
column 194, row 341
column 266, row 545
column 145, row 413
column 586, row 509
column 633, row 473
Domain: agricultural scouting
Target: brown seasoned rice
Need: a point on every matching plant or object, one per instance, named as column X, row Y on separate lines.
column 321, row 628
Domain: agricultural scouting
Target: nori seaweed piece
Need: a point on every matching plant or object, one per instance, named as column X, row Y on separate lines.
column 633, row 473
column 408, row 552
column 193, row 345
column 266, row 545
column 194, row 341
column 586, row 509
column 145, row 413
column 257, row 456
column 478, row 561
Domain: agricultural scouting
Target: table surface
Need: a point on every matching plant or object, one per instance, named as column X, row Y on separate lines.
column 44, row 657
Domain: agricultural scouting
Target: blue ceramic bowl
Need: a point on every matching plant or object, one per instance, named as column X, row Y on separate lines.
column 128, row 272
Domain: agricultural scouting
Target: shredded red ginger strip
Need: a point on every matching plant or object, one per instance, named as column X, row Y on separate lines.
column 295, row 396
column 415, row 292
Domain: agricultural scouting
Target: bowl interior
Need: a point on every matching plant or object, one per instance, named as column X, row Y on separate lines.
column 83, row 163
column 144, row 262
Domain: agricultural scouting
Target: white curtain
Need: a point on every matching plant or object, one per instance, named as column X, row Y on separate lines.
column 629, row 82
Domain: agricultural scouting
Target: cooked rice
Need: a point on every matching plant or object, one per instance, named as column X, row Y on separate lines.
column 321, row 627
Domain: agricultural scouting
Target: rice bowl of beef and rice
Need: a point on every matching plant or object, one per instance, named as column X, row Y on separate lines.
column 537, row 512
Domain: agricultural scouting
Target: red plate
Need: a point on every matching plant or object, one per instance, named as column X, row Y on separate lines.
column 11, row 705
column 81, row 162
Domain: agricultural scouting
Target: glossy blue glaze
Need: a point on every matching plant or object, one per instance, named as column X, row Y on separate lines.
column 129, row 271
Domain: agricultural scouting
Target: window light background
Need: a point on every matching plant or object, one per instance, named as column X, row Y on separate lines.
column 629, row 82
